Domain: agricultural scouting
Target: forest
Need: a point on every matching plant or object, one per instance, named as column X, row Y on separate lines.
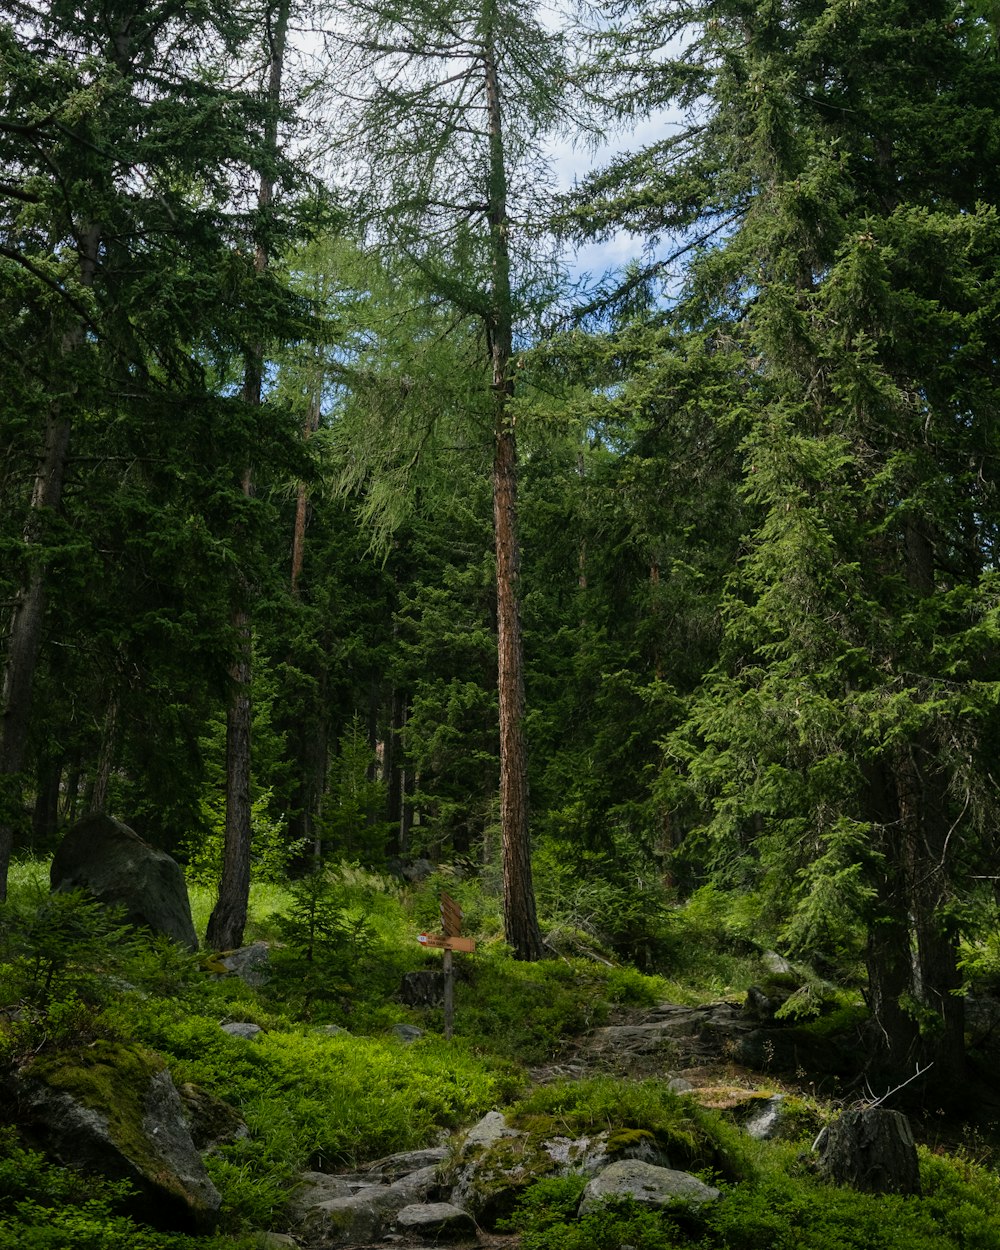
column 551, row 450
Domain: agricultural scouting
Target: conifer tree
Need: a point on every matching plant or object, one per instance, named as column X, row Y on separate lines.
column 842, row 741
column 228, row 919
column 454, row 102
column 121, row 229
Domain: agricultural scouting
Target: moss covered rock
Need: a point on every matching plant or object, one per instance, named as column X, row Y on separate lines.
column 114, row 1110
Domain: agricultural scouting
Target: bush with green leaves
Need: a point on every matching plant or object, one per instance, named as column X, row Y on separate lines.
column 330, row 954
column 546, row 1220
column 314, row 1101
column 694, row 1139
column 614, row 899
column 271, row 849
column 779, row 1205
column 60, row 943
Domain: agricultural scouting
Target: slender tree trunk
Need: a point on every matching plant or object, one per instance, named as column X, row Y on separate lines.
column 228, row 919
column 27, row 619
column 520, row 920
column 72, row 794
column 45, row 818
column 302, row 497
column 229, row 916
column 106, row 757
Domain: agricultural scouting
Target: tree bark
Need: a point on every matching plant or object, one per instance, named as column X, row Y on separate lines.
column 45, row 818
column 302, row 497
column 872, row 1151
column 106, row 757
column 229, row 916
column 520, row 921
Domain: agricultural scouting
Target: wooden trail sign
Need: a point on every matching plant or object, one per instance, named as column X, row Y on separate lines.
column 448, row 941
column 451, row 916
column 440, row 942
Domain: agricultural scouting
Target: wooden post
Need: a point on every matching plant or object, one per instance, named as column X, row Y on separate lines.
column 449, row 994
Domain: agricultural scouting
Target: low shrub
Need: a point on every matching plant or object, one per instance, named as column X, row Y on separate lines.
column 693, row 1138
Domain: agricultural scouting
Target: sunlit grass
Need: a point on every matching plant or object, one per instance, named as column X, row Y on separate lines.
column 28, row 874
column 267, row 899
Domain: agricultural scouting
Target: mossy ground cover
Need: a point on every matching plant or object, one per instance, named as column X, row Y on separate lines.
column 315, row 1100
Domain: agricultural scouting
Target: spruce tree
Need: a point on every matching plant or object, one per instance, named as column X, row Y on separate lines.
column 127, row 151
column 845, row 159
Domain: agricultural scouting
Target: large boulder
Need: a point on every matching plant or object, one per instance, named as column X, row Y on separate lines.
column 114, row 1110
column 497, row 1163
column 251, row 964
column 345, row 1210
column 110, row 861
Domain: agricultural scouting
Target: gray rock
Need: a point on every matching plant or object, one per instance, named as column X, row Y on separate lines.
column 338, row 1210
column 244, row 1029
column 111, row 862
column 250, row 963
column 212, row 1121
column 363, row 1216
column 330, row 1030
column 116, row 1111
column 680, row 1085
column 765, row 1122
column 777, row 964
column 417, row 1186
column 494, row 1166
column 422, row 989
column 419, row 870
column 313, row 1189
column 437, row 1221
column 645, row 1184
column 392, row 1167
column 407, row 1032
column 591, row 1155
column 490, row 1129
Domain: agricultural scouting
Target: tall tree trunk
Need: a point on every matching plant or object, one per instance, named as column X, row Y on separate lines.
column 302, row 496
column 45, row 817
column 936, row 980
column 228, row 919
column 106, row 757
column 520, row 921
column 25, row 632
column 229, row 916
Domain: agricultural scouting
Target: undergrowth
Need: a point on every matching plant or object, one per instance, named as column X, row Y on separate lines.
column 313, row 1097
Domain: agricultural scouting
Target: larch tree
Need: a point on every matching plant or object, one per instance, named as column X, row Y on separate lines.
column 447, row 106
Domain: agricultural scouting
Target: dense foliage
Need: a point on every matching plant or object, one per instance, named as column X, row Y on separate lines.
column 699, row 556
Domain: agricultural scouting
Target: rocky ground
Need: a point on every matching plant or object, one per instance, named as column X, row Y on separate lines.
column 703, row 1051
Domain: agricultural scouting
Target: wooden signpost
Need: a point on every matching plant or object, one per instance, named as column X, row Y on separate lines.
column 449, row 940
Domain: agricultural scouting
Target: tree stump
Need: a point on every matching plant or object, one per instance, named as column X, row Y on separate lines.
column 422, row 989
column 872, row 1151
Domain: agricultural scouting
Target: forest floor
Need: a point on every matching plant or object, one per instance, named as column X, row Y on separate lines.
column 691, row 1046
